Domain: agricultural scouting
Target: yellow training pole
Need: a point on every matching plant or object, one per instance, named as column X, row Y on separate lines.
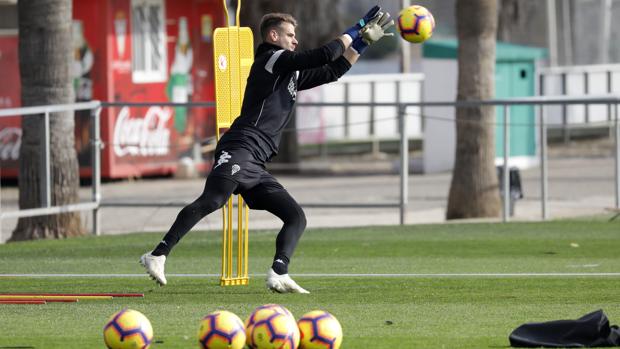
column 246, row 241
column 230, row 238
column 223, row 242
column 233, row 53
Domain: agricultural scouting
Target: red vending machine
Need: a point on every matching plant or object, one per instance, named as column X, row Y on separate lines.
column 132, row 51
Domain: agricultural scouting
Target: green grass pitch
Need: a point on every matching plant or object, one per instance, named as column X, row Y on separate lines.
column 460, row 285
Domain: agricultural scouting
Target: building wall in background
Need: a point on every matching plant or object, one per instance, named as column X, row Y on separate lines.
column 8, row 16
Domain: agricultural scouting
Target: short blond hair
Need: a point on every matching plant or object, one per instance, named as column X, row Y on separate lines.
column 273, row 20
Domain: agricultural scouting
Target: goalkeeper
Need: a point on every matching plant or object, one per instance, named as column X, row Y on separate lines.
column 276, row 75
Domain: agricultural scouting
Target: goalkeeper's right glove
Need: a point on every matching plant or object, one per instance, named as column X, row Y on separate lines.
column 354, row 31
column 376, row 29
column 373, row 31
column 359, row 45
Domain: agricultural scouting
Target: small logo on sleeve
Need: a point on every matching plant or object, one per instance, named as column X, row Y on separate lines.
column 292, row 88
column 223, row 159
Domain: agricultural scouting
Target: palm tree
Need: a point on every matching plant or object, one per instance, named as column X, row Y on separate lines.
column 474, row 189
column 44, row 56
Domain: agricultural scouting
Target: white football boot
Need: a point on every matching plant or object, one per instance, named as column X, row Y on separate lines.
column 154, row 266
column 282, row 283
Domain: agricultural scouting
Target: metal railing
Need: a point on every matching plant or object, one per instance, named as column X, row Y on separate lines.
column 611, row 101
column 45, row 179
column 542, row 102
column 584, row 80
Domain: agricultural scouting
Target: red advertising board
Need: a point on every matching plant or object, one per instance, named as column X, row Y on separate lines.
column 132, row 51
column 10, row 91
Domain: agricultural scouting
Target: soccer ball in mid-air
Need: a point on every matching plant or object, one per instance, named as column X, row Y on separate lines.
column 221, row 330
column 272, row 326
column 415, row 24
column 319, row 330
column 128, row 329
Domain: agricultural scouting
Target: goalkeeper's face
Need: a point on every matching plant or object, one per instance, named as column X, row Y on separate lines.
column 284, row 36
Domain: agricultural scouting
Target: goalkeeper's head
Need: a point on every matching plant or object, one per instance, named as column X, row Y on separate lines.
column 279, row 29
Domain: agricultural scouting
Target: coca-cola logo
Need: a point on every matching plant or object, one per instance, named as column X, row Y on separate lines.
column 137, row 136
column 10, row 142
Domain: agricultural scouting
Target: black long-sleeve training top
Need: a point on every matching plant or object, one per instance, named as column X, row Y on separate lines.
column 275, row 77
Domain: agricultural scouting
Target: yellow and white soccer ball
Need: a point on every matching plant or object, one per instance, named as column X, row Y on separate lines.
column 272, row 326
column 221, row 330
column 319, row 330
column 128, row 329
column 415, row 24
column 263, row 312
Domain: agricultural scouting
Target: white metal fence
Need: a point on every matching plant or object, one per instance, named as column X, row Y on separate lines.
column 45, row 179
column 354, row 123
column 543, row 103
column 576, row 82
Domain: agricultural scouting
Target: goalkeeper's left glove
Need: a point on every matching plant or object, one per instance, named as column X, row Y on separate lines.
column 375, row 29
column 354, row 31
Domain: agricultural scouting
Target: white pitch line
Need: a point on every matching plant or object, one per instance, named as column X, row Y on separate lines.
column 346, row 275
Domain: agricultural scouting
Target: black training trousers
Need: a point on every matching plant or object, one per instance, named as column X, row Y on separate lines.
column 267, row 195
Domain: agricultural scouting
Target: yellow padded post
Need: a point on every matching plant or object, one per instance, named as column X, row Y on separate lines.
column 233, row 51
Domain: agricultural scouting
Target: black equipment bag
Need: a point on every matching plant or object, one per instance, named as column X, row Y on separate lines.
column 591, row 330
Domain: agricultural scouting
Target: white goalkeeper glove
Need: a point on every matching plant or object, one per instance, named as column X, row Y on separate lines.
column 376, row 28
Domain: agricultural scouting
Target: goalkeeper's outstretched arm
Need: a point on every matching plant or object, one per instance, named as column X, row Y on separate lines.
column 288, row 60
column 329, row 72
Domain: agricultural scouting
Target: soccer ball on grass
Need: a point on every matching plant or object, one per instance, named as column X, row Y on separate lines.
column 272, row 326
column 319, row 330
column 128, row 329
column 221, row 330
column 415, row 24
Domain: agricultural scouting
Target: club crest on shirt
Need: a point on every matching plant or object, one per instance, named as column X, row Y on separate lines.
column 292, row 89
column 235, row 169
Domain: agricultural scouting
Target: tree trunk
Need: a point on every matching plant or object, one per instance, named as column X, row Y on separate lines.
column 44, row 56
column 311, row 33
column 474, row 190
column 523, row 22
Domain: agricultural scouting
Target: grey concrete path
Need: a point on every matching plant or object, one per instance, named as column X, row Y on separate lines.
column 578, row 186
